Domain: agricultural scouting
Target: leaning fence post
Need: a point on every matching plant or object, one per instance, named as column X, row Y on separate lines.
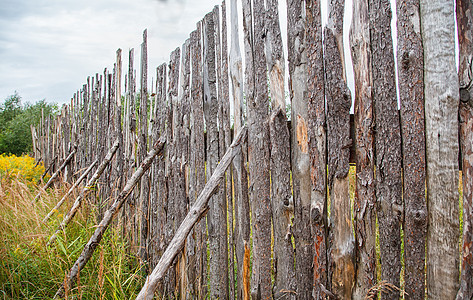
column 95, row 239
column 56, row 174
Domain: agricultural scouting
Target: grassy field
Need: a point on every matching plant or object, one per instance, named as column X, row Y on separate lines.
column 30, row 270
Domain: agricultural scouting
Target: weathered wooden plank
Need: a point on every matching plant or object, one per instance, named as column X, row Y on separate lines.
column 317, row 145
column 143, row 149
column 365, row 198
column 225, row 101
column 282, row 204
column 172, row 94
column 441, row 132
column 217, row 213
column 258, row 151
column 96, row 237
column 464, row 10
column 388, row 144
column 411, row 91
column 181, row 163
column 197, row 211
column 302, row 186
column 198, row 157
column 342, row 243
column 242, row 210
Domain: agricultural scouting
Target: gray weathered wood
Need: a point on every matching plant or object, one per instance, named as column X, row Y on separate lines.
column 95, row 239
column 258, row 152
column 365, row 198
column 411, row 91
column 342, row 243
column 196, row 212
column 142, row 151
column 225, row 102
column 317, row 145
column 441, row 132
column 282, row 204
column 242, row 210
column 217, row 212
column 464, row 10
column 388, row 144
column 297, row 58
column 197, row 111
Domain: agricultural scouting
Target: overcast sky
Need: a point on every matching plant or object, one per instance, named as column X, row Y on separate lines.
column 49, row 47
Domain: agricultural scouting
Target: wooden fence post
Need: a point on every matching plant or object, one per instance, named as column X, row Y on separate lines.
column 317, row 145
column 464, row 11
column 365, row 198
column 411, row 90
column 388, row 144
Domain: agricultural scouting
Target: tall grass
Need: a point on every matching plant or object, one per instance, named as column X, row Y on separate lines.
column 30, row 270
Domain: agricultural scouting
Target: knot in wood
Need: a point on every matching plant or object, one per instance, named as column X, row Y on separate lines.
column 316, row 216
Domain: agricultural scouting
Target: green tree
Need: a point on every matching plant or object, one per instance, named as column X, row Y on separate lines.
column 15, row 121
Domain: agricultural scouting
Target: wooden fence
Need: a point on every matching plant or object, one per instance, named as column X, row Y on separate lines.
column 282, row 224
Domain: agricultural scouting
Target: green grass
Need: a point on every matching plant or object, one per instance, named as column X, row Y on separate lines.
column 30, row 270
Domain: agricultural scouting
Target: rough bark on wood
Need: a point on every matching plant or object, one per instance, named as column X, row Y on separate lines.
column 258, row 153
column 441, row 132
column 317, row 146
column 217, row 211
column 92, row 181
column 282, row 204
column 464, row 10
column 114, row 209
column 181, row 165
column 197, row 211
column 342, row 243
column 172, row 94
column 56, row 174
column 242, row 210
column 297, row 58
column 198, row 158
column 69, row 192
column 388, row 144
column 143, row 149
column 365, row 198
column 411, row 91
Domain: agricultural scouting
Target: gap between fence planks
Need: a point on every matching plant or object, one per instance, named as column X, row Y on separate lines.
column 76, row 184
column 95, row 239
column 198, row 210
column 67, row 219
column 56, row 174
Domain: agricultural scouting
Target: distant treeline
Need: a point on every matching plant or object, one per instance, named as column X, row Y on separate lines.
column 15, row 121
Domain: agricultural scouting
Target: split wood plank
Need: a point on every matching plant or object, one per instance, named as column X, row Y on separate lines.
column 411, row 91
column 242, row 208
column 365, row 198
column 387, row 144
column 317, row 145
column 464, row 10
column 342, row 242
